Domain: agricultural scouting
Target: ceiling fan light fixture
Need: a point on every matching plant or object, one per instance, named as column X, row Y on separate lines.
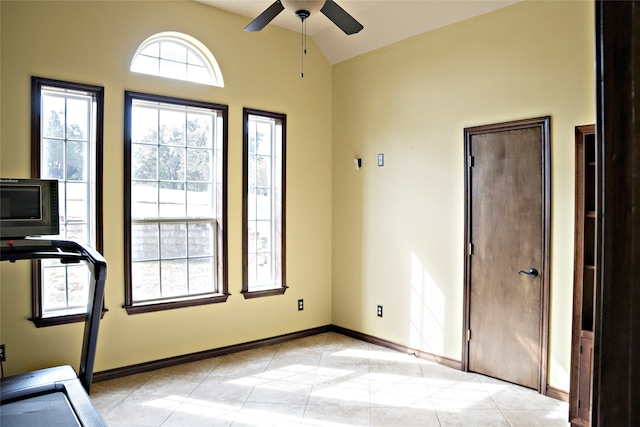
column 310, row 6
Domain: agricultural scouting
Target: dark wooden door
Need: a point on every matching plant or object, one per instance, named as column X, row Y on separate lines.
column 507, row 228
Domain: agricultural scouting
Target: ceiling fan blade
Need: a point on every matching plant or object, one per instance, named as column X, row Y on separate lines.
column 265, row 17
column 341, row 18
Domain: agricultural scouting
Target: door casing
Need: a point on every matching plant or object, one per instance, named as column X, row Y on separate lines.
column 544, row 124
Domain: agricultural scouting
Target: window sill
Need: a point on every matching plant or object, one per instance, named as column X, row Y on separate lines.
column 42, row 322
column 171, row 305
column 264, row 292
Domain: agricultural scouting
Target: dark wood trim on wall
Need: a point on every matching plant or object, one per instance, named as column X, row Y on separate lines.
column 206, row 354
column 616, row 366
column 451, row 363
column 557, row 393
column 216, row 352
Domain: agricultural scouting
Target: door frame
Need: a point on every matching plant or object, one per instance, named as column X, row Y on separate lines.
column 544, row 124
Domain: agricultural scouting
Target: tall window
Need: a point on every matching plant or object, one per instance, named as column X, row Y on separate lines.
column 175, row 196
column 263, row 227
column 67, row 145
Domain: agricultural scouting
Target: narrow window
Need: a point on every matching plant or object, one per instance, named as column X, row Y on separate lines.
column 175, row 196
column 67, row 145
column 263, row 226
column 177, row 56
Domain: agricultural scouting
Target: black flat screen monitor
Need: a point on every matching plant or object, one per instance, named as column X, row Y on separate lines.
column 28, row 207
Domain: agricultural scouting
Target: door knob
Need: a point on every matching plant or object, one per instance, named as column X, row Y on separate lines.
column 531, row 273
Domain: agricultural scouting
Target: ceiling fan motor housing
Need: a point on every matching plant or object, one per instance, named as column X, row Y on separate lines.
column 303, row 8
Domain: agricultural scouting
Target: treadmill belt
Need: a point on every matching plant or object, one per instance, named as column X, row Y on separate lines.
column 51, row 410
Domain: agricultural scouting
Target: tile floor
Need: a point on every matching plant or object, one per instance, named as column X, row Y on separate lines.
column 325, row 380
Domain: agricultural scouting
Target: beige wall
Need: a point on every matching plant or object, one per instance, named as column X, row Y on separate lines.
column 93, row 42
column 390, row 235
column 398, row 230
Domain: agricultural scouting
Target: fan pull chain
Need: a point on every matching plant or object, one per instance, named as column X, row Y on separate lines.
column 304, row 47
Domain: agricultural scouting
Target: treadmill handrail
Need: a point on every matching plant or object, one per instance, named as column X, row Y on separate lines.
column 69, row 251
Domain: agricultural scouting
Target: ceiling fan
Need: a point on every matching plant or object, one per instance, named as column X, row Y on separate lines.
column 303, row 9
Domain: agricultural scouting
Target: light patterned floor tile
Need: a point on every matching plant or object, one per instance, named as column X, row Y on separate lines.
column 327, row 380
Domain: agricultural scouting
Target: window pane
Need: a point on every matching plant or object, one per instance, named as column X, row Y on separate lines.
column 198, row 74
column 263, row 138
column 77, row 160
column 144, row 161
column 77, row 232
column 77, row 201
column 263, row 273
column 251, row 204
column 52, row 159
column 200, row 201
column 194, row 58
column 152, row 50
column 147, row 65
column 201, row 272
column 53, row 119
column 201, row 239
column 263, row 204
column 146, row 280
column 172, row 125
column 172, row 163
column 251, row 171
column 54, row 295
column 78, row 291
column 144, row 199
column 173, row 202
column 144, row 125
column 174, row 278
column 199, row 163
column 77, row 119
column 199, row 130
column 145, row 242
column 251, row 130
column 263, row 236
column 173, row 51
column 251, row 236
column 173, row 238
column 173, row 70
column 263, row 171
column 252, row 270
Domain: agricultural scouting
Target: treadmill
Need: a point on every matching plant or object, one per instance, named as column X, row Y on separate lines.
column 56, row 396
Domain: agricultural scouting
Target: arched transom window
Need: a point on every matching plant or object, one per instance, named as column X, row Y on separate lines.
column 177, row 56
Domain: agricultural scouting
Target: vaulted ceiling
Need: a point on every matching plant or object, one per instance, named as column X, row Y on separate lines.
column 385, row 21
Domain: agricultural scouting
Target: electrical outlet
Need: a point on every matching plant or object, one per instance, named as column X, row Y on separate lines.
column 3, row 354
column 300, row 305
column 379, row 311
